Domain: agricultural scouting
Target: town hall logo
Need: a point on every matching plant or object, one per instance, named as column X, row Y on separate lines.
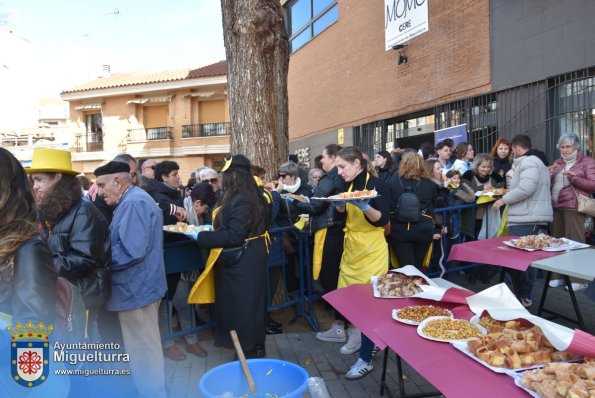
column 29, row 353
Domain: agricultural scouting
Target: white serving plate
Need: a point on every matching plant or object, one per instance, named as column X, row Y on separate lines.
column 396, row 317
column 570, row 245
column 422, row 325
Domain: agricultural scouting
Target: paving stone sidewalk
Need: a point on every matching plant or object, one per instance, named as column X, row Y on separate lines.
column 299, row 345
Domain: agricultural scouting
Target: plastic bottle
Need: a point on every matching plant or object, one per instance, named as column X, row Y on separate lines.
column 317, row 387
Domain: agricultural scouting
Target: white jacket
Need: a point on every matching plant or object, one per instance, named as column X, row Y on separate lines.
column 529, row 198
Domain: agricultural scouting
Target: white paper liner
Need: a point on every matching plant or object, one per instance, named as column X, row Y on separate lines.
column 502, row 305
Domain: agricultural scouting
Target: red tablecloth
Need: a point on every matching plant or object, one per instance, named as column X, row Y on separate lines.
column 449, row 370
column 493, row 251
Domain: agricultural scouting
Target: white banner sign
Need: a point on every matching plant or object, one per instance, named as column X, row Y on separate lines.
column 403, row 20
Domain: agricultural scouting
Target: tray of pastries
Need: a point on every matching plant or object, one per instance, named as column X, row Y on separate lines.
column 416, row 314
column 544, row 242
column 187, row 229
column 512, row 347
column 397, row 285
column 447, row 330
column 353, row 195
column 559, row 380
column 492, row 192
column 293, row 196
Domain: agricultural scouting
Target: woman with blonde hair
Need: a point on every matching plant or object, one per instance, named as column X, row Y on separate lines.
column 411, row 238
column 27, row 276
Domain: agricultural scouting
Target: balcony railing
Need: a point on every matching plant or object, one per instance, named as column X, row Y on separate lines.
column 206, row 130
column 88, row 142
column 149, row 134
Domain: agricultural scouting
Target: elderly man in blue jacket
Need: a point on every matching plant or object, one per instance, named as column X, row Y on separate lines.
column 138, row 274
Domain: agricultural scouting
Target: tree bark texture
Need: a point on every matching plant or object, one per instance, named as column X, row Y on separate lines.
column 257, row 52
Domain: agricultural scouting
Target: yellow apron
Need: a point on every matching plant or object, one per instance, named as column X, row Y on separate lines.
column 319, row 238
column 365, row 252
column 203, row 291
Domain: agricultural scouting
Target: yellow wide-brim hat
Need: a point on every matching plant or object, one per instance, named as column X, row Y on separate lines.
column 47, row 160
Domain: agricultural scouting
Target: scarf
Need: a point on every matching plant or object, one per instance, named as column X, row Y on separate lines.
column 481, row 179
column 294, row 187
column 570, row 158
column 560, row 180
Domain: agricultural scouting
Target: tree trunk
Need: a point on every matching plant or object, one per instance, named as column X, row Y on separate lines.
column 257, row 54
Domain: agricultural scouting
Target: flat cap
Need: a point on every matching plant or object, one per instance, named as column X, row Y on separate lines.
column 112, row 168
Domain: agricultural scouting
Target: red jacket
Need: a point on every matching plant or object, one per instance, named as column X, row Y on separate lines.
column 583, row 183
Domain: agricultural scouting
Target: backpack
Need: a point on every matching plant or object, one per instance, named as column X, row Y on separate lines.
column 408, row 205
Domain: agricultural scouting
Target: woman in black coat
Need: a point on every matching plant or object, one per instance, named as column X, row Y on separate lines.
column 27, row 276
column 240, row 223
column 411, row 241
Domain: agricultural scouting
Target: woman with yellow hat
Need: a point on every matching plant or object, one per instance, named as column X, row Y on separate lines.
column 235, row 273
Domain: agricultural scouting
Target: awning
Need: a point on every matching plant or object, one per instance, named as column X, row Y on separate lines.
column 88, row 107
column 201, row 94
column 151, row 100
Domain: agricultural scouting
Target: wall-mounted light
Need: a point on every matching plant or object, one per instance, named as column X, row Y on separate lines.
column 402, row 56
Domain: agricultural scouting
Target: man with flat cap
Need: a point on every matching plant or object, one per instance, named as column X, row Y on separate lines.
column 138, row 273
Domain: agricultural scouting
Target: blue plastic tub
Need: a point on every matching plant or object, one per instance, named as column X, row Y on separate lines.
column 272, row 377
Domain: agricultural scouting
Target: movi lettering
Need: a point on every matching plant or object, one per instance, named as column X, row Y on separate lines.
column 399, row 9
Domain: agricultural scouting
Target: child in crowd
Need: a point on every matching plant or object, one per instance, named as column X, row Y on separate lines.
column 459, row 193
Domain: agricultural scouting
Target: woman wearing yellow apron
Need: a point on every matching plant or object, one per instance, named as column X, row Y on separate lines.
column 328, row 225
column 235, row 273
column 365, row 252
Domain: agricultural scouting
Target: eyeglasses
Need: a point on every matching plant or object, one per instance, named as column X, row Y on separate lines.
column 281, row 175
column 212, row 180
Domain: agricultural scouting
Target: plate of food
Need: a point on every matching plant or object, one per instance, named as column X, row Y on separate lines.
column 397, row 285
column 187, row 229
column 416, row 314
column 293, row 196
column 492, row 192
column 561, row 379
column 544, row 242
column 447, row 330
column 347, row 196
column 512, row 348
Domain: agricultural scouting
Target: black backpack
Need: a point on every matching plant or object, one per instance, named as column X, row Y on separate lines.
column 408, row 205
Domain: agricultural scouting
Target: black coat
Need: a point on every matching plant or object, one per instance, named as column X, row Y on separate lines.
column 324, row 214
column 240, row 289
column 30, row 294
column 288, row 214
column 165, row 195
column 80, row 242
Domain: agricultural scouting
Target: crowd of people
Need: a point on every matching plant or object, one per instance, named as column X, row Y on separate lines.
column 102, row 243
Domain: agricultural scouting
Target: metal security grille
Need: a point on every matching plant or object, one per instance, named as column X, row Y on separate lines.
column 542, row 110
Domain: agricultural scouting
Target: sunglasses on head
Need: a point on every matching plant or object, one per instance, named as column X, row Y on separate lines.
column 212, row 180
column 149, row 167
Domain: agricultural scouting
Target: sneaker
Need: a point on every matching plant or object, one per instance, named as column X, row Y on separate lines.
column 526, row 302
column 556, row 282
column 335, row 334
column 359, row 370
column 577, row 286
column 354, row 341
column 374, row 352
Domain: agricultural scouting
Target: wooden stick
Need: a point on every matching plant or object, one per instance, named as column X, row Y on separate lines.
column 242, row 358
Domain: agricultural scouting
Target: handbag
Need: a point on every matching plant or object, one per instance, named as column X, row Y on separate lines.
column 585, row 204
column 231, row 256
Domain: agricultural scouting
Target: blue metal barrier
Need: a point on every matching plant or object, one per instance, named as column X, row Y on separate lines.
column 448, row 213
column 302, row 298
column 183, row 256
column 186, row 256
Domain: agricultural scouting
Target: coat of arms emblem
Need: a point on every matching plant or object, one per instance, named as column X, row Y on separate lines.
column 29, row 353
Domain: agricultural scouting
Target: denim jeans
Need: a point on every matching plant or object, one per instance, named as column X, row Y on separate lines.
column 365, row 351
column 525, row 280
